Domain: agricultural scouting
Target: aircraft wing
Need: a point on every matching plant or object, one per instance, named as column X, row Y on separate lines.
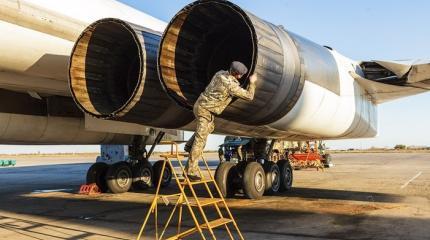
column 36, row 38
column 389, row 80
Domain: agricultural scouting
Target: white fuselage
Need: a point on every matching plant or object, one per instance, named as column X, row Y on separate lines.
column 323, row 114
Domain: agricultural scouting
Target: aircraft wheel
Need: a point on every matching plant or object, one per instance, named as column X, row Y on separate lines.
column 142, row 175
column 96, row 174
column 286, row 176
column 225, row 175
column 254, row 180
column 273, row 179
column 327, row 161
column 119, row 177
column 167, row 177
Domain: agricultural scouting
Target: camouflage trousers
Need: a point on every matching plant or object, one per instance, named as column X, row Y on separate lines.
column 205, row 126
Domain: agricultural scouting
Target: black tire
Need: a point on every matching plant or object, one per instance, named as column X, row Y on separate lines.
column 225, row 175
column 273, row 179
column 167, row 177
column 96, row 174
column 119, row 177
column 254, row 180
column 142, row 175
column 286, row 177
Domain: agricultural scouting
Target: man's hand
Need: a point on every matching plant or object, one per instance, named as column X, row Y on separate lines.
column 253, row 78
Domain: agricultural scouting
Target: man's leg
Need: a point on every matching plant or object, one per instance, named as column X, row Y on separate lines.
column 189, row 144
column 205, row 126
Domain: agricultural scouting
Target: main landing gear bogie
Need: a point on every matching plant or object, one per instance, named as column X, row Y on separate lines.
column 254, row 178
column 123, row 176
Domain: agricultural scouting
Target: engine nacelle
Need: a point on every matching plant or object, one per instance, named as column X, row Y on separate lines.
column 302, row 90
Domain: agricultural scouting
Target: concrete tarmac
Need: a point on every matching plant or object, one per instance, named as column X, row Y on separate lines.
column 365, row 196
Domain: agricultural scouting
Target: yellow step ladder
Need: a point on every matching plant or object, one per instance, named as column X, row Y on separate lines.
column 192, row 203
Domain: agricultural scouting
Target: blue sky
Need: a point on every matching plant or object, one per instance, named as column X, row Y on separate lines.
column 361, row 30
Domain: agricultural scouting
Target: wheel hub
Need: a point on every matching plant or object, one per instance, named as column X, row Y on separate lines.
column 275, row 180
column 166, row 175
column 123, row 178
column 259, row 181
column 288, row 177
column 146, row 175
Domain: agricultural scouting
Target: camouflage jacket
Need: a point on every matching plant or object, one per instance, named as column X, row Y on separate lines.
column 221, row 90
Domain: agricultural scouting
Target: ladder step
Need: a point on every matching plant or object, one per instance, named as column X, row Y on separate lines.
column 185, row 182
column 183, row 234
column 174, row 156
column 218, row 222
column 213, row 224
column 205, row 202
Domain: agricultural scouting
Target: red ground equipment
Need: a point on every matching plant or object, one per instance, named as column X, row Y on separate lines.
column 309, row 158
column 89, row 189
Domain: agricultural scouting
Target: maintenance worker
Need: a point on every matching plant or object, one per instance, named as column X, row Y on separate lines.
column 216, row 97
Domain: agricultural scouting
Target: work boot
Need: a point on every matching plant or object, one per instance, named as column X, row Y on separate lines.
column 194, row 178
column 187, row 148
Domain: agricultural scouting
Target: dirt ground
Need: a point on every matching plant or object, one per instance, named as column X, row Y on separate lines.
column 365, row 196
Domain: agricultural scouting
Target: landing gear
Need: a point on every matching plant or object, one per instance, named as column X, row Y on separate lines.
column 96, row 174
column 119, row 177
column 119, row 167
column 256, row 176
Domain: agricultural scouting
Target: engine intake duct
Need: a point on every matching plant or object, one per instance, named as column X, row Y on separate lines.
column 206, row 36
column 113, row 75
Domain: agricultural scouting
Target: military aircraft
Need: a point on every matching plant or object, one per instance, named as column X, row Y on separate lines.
column 111, row 75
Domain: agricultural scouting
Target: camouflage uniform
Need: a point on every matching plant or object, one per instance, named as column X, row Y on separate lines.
column 216, row 97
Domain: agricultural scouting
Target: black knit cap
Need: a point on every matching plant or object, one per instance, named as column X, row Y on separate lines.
column 238, row 67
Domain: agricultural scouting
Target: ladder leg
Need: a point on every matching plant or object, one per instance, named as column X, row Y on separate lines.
column 156, row 197
column 197, row 201
column 223, row 201
column 154, row 202
column 219, row 211
column 156, row 221
column 180, row 218
column 178, row 202
column 216, row 205
column 153, row 206
column 181, row 188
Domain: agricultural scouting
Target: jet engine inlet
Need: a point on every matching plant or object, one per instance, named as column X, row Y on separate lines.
column 113, row 76
column 206, row 36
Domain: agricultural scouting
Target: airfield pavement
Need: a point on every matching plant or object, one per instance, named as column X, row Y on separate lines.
column 365, row 196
